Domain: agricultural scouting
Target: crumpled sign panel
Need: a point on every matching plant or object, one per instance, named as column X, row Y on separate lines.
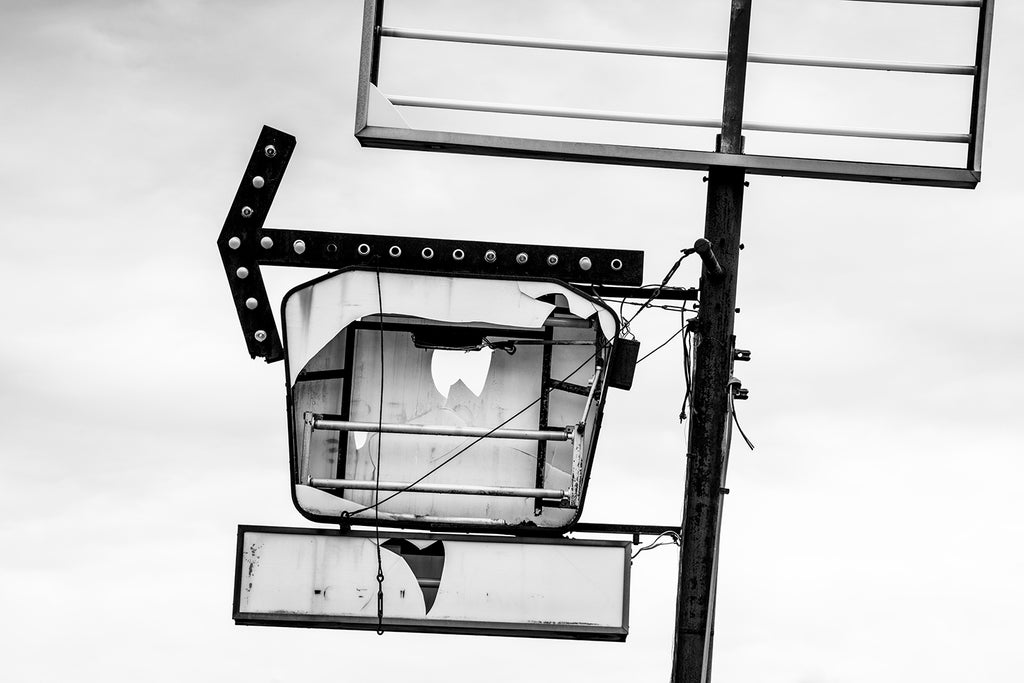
column 431, row 400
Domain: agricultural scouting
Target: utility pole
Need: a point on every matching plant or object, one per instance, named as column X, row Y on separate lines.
column 708, row 446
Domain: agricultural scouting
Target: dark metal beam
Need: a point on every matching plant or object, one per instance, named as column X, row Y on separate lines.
column 980, row 94
column 660, row 157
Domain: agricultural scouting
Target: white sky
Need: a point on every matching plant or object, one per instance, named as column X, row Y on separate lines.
column 873, row 535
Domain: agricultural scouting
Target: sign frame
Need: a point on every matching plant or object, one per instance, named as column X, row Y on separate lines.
column 966, row 177
column 525, row 629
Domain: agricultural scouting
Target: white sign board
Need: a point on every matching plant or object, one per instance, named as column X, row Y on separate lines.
column 489, row 585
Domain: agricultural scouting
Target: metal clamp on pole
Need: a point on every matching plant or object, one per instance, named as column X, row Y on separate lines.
column 703, row 249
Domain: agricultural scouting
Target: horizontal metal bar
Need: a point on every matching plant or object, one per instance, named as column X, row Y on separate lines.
column 454, row 489
column 943, row 3
column 645, row 293
column 626, row 529
column 631, row 117
column 323, row 422
column 559, row 112
column 677, row 53
column 959, row 138
column 659, row 157
column 367, row 517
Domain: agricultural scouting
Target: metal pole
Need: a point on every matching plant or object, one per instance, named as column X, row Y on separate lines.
column 709, row 425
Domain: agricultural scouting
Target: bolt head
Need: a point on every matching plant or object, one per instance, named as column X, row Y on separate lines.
column 586, row 263
column 258, row 182
column 490, row 256
column 299, row 246
column 246, row 211
column 522, row 258
column 242, row 273
column 234, row 243
column 251, row 304
column 260, row 336
column 553, row 260
column 270, row 151
column 266, row 242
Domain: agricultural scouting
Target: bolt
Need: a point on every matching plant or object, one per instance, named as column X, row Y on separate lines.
column 522, row 258
column 234, row 243
column 242, row 273
column 258, row 182
column 266, row 243
column 251, row 304
column 260, row 335
column 490, row 256
column 553, row 260
column 270, row 151
column 299, row 246
column 585, row 263
column 246, row 211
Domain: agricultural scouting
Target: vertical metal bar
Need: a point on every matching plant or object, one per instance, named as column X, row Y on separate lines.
column 369, row 58
column 346, row 400
column 307, row 439
column 709, row 424
column 981, row 64
column 545, row 400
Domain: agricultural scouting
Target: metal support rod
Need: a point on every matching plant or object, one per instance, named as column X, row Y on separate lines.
column 936, row 3
column 322, row 422
column 677, row 53
column 454, row 489
column 709, row 423
column 659, row 119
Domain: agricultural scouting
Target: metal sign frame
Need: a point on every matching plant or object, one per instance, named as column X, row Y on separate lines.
column 609, row 359
column 527, row 630
column 466, row 143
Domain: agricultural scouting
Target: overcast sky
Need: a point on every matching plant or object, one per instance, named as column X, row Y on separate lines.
column 874, row 533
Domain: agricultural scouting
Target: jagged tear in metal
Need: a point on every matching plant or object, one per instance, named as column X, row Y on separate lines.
column 503, row 440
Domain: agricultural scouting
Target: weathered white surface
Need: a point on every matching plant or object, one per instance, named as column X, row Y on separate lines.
column 314, row 315
column 482, row 388
column 483, row 582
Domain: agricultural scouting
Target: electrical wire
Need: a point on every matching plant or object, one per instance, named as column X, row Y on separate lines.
column 657, row 291
column 674, row 539
column 660, row 346
column 687, row 369
column 736, row 420
column 380, row 450
column 448, row 458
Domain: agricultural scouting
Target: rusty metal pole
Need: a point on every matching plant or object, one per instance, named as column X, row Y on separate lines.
column 708, row 446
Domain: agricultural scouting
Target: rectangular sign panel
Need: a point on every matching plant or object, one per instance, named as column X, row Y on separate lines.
column 444, row 583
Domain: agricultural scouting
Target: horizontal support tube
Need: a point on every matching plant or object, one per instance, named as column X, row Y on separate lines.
column 322, row 422
column 937, row 3
column 630, row 117
column 643, row 51
column 454, row 489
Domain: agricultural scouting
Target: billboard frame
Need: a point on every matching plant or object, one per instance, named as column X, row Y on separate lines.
column 966, row 177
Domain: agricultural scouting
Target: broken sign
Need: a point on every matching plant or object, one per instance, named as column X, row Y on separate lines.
column 425, row 400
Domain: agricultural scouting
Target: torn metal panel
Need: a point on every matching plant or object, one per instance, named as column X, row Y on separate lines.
column 462, row 358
